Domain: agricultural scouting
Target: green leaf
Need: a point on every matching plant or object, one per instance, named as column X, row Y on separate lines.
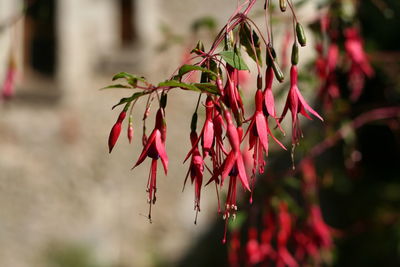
column 234, row 59
column 113, row 86
column 245, row 40
column 131, row 79
column 188, row 68
column 173, row 83
column 207, row 87
column 129, row 99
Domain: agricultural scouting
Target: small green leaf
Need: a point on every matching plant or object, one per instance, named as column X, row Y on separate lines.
column 207, row 87
column 188, row 68
column 131, row 79
column 173, row 83
column 113, row 86
column 129, row 99
column 234, row 59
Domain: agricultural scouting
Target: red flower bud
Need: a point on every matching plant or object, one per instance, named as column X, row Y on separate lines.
column 130, row 130
column 115, row 131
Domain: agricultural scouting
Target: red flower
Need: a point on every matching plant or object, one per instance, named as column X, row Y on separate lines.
column 8, row 85
column 296, row 104
column 269, row 227
column 321, row 231
column 155, row 149
column 196, row 170
column 360, row 66
column 207, row 133
column 130, row 130
column 115, row 131
column 232, row 96
column 258, row 133
column 284, row 258
column 253, row 248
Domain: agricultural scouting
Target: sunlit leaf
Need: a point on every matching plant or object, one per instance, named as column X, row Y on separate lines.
column 234, row 59
column 116, row 86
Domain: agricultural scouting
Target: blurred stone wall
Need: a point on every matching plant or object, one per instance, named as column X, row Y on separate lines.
column 60, row 190
column 59, row 187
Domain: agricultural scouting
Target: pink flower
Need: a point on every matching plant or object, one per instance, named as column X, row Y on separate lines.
column 360, row 66
column 130, row 130
column 155, row 149
column 254, row 253
column 284, row 258
column 115, row 131
column 269, row 228
column 296, row 104
column 8, row 85
column 321, row 231
column 231, row 92
column 195, row 171
column 258, row 133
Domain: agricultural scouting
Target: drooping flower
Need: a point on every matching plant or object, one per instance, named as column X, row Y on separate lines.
column 284, row 258
column 326, row 66
column 296, row 104
column 269, row 228
column 253, row 249
column 196, row 170
column 115, row 131
column 258, row 133
column 231, row 92
column 155, row 149
column 9, row 82
column 360, row 66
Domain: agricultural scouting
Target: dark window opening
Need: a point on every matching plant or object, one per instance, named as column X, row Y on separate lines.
column 127, row 22
column 40, row 36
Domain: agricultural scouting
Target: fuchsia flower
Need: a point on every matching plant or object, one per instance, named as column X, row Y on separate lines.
column 233, row 166
column 207, row 133
column 130, row 130
column 284, row 258
column 231, row 92
column 320, row 229
column 155, row 149
column 234, row 250
column 115, row 131
column 326, row 70
column 266, row 236
column 259, row 131
column 196, row 170
column 296, row 104
column 360, row 66
column 254, row 253
column 9, row 82
column 321, row 232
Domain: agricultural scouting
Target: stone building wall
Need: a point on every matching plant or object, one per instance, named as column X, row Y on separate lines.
column 59, row 188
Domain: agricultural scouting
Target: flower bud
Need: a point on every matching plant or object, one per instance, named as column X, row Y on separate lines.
column 130, row 130
column 115, row 131
column 278, row 72
column 301, row 36
column 295, row 54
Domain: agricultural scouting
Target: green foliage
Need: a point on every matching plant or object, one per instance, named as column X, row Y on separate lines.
column 234, row 59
